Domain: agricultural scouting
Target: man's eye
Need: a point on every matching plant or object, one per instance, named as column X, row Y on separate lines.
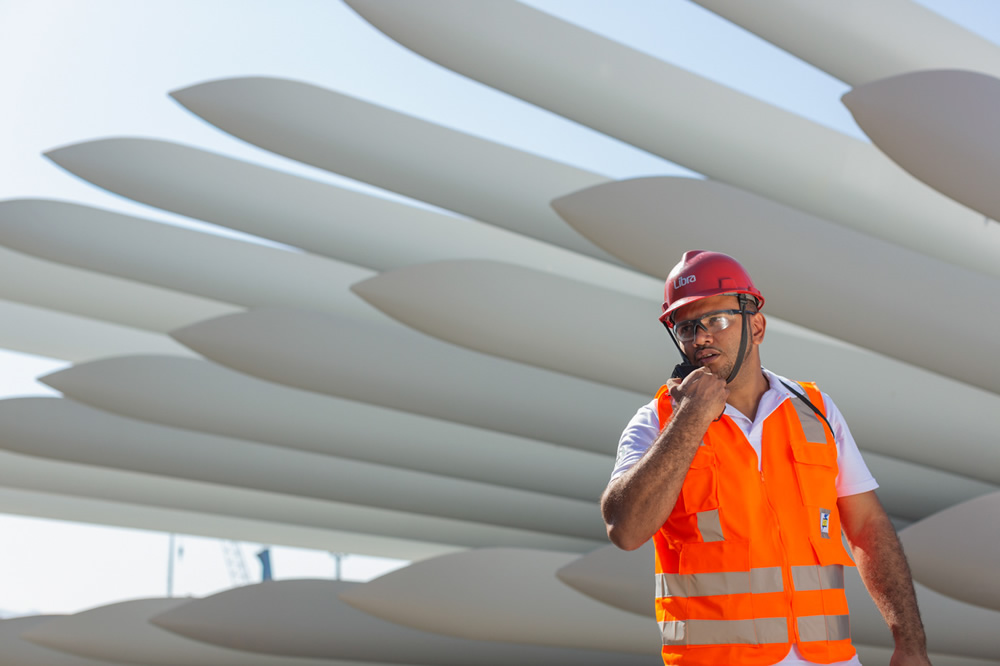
column 718, row 321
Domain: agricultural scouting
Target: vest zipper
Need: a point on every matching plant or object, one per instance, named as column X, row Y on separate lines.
column 786, row 568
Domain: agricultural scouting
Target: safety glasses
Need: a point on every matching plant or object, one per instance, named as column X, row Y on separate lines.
column 710, row 322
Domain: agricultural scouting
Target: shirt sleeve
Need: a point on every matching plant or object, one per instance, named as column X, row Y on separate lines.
column 638, row 436
column 853, row 476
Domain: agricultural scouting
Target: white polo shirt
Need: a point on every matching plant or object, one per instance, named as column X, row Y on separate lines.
column 853, row 476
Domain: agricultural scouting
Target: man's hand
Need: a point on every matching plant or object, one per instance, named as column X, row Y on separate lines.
column 704, row 392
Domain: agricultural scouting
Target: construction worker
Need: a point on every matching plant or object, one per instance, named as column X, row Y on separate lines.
column 744, row 480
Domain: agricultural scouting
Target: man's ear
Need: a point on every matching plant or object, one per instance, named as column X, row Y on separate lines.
column 758, row 324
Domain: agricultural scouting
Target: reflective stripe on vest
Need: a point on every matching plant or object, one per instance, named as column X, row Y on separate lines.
column 710, row 526
column 754, row 632
column 812, row 427
column 814, row 577
column 725, row 632
column 824, row 627
column 759, row 581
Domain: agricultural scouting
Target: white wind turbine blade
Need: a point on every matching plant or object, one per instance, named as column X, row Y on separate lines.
column 19, row 652
column 63, row 430
column 304, row 618
column 531, row 316
column 198, row 395
column 670, row 112
column 976, row 525
column 137, row 510
column 952, row 627
column 885, row 38
column 527, row 604
column 189, row 261
column 84, row 293
column 122, row 632
column 472, row 176
column 836, row 281
column 395, row 367
column 615, row 339
column 941, row 126
column 911, row 491
column 325, row 219
column 375, row 531
column 44, row 332
column 619, row 578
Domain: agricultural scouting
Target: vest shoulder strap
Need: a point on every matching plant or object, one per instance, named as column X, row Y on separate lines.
column 802, row 396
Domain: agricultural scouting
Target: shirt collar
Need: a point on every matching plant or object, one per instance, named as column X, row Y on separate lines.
column 776, row 394
column 775, row 382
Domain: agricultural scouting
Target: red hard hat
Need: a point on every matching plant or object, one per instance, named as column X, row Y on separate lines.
column 701, row 274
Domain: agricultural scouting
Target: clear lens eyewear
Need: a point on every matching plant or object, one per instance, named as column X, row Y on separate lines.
column 711, row 322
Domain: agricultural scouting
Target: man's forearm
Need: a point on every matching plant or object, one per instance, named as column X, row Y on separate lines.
column 883, row 568
column 636, row 504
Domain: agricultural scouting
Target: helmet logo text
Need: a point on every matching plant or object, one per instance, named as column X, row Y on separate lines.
column 683, row 280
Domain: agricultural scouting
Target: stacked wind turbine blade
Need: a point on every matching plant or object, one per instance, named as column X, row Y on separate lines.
column 975, row 524
column 142, row 502
column 45, row 332
column 122, row 633
column 398, row 368
column 474, row 177
column 305, row 618
column 622, row 579
column 244, row 513
column 93, row 295
column 905, row 500
column 206, row 397
column 66, row 431
column 564, row 325
column 941, row 127
column 527, row 603
column 188, row 261
column 19, row 652
column 886, row 38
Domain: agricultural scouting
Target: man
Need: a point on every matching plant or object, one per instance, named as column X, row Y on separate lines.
column 744, row 481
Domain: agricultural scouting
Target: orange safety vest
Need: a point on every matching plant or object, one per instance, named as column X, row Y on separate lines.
column 751, row 561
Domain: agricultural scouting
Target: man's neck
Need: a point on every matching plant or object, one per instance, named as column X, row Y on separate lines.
column 747, row 389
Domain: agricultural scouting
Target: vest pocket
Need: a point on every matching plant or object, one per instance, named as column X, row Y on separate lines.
column 816, row 472
column 831, row 551
column 700, row 491
column 719, row 556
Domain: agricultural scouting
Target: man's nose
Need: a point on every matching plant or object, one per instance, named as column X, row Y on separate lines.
column 701, row 335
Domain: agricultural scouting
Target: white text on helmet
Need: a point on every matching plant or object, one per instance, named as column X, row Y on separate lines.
column 683, row 280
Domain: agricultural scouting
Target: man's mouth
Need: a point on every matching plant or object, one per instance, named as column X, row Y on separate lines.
column 706, row 357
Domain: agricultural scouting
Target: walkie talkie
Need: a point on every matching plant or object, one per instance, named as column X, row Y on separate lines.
column 682, row 370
